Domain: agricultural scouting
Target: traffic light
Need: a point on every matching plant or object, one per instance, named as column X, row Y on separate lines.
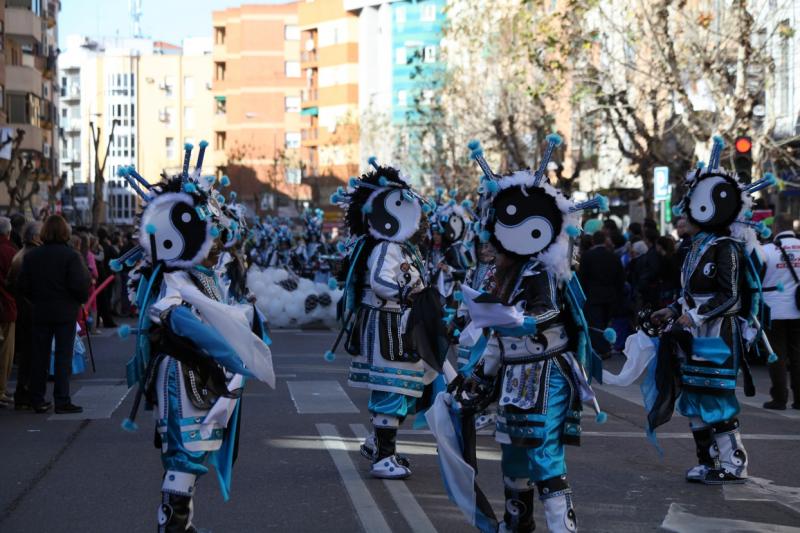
column 743, row 158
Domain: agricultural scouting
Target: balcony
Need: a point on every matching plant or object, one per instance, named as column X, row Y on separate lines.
column 23, row 79
column 309, row 97
column 71, row 93
column 218, row 52
column 72, row 126
column 309, row 136
column 71, row 158
column 21, row 23
column 308, row 58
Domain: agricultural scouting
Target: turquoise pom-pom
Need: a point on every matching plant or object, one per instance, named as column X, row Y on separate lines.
column 466, row 204
column 130, row 262
column 354, row 182
column 554, row 138
column 772, row 358
column 458, row 296
column 203, row 144
column 220, row 199
column 677, row 210
column 453, row 193
column 188, row 147
column 766, row 233
column 189, row 187
column 332, row 284
column 601, row 418
column 123, row 331
column 474, row 144
column 330, row 356
column 225, row 181
column 121, row 171
column 214, row 231
column 129, row 425
column 485, row 236
column 476, row 153
column 780, row 287
column 234, row 226
column 426, row 208
column 150, row 229
column 610, row 335
column 573, row 231
column 492, row 186
column 366, row 209
column 383, row 182
column 373, row 161
column 115, row 265
column 335, row 198
column 529, row 325
column 211, row 179
column 770, row 178
column 718, row 140
column 748, row 215
column 456, row 333
column 341, row 247
column 602, row 202
column 233, row 195
column 701, row 165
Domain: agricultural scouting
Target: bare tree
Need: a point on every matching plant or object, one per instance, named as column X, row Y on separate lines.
column 98, row 200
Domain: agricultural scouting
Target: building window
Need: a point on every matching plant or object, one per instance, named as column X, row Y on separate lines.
column 188, row 87
column 291, row 32
column 428, row 13
column 400, row 57
column 292, row 69
column 429, row 54
column 169, row 145
column 400, row 14
column 219, row 71
column 292, row 140
column 219, row 140
column 294, row 176
column 188, row 117
column 219, row 35
column 291, row 104
column 401, row 98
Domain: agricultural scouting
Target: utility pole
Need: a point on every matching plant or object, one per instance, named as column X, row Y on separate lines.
column 98, row 202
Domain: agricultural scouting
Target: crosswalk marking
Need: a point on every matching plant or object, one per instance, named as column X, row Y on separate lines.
column 368, row 512
column 679, row 520
column 98, row 401
column 320, row 397
column 409, row 507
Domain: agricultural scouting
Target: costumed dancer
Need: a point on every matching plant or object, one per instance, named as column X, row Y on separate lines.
column 193, row 351
column 450, row 254
column 538, row 351
column 312, row 253
column 713, row 323
column 385, row 275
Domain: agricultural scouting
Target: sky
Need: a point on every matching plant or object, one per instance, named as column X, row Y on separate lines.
column 162, row 20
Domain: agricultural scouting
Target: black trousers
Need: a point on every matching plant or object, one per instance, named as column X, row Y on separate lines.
column 598, row 315
column 784, row 335
column 43, row 335
column 104, row 307
column 23, row 347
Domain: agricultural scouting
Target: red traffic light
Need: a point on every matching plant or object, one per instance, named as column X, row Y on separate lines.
column 743, row 144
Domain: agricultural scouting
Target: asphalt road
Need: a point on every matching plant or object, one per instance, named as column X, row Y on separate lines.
column 299, row 469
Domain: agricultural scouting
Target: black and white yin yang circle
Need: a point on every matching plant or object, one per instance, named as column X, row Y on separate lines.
column 455, row 228
column 394, row 217
column 528, row 222
column 180, row 236
column 715, row 201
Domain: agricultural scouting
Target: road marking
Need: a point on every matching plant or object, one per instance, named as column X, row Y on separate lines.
column 764, row 490
column 409, row 507
column 98, row 401
column 320, row 397
column 368, row 512
column 681, row 521
column 758, row 400
column 634, row 434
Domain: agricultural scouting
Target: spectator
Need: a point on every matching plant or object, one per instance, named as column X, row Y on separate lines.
column 17, row 224
column 24, row 334
column 603, row 281
column 8, row 311
column 56, row 281
column 784, row 328
column 634, row 231
column 684, row 239
column 647, row 280
column 86, row 246
column 669, row 271
column 104, row 298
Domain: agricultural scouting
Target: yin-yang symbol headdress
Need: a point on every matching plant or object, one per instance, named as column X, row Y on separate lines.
column 381, row 203
column 717, row 202
column 523, row 215
column 181, row 216
column 449, row 218
column 313, row 220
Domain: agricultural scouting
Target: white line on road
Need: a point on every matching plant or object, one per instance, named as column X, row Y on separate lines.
column 320, row 397
column 409, row 507
column 681, row 521
column 368, row 512
column 759, row 489
column 98, row 401
column 635, row 434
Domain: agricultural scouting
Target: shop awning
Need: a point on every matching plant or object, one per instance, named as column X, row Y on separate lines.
column 219, row 98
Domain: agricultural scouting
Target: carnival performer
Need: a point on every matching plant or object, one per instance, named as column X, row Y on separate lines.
column 312, row 252
column 193, row 350
column 450, row 255
column 537, row 346
column 385, row 274
column 707, row 332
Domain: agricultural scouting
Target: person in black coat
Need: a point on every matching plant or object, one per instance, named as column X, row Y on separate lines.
column 55, row 280
column 603, row 281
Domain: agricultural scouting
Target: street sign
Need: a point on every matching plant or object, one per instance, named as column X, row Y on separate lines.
column 660, row 184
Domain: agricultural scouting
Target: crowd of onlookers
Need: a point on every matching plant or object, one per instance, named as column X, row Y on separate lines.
column 55, row 283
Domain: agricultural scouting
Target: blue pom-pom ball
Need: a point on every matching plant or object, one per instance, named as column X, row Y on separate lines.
column 554, row 138
column 123, row 331
column 341, row 247
column 115, row 265
column 601, row 418
column 610, row 335
column 573, row 231
column 772, row 358
column 382, row 181
column 458, row 296
column 332, row 284
column 677, row 210
column 214, row 231
column 474, row 144
column 485, row 236
column 353, row 182
column 330, row 356
column 492, row 186
column 188, row 147
column 150, row 229
column 366, row 209
column 189, row 187
column 203, row 144
column 225, row 181
column 129, row 425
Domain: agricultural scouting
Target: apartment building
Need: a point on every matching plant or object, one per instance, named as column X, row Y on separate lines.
column 258, row 123
column 28, row 86
column 330, row 65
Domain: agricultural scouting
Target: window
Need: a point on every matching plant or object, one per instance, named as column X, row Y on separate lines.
column 400, row 14
column 188, row 87
column 291, row 32
column 292, row 69
column 64, row 112
column 219, row 71
column 401, row 98
column 429, row 54
column 400, row 56
column 219, row 35
column 2, row 97
column 428, row 13
column 219, row 140
column 292, row 139
column 291, row 104
column 294, row 176
column 169, row 145
column 63, row 86
column 188, row 117
column 169, row 86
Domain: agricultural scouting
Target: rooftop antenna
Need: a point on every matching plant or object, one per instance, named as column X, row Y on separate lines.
column 135, row 8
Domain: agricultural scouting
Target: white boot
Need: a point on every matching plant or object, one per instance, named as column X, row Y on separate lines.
column 559, row 513
column 732, row 456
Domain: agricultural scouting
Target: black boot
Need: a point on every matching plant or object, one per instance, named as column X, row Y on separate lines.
column 706, row 454
column 518, row 517
column 175, row 514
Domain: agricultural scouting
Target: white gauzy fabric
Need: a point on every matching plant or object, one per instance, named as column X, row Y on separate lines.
column 459, row 477
column 223, row 408
column 231, row 322
column 639, row 351
column 487, row 315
